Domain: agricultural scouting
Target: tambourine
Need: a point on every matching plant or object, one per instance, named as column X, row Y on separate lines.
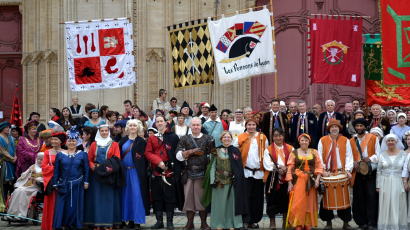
column 365, row 168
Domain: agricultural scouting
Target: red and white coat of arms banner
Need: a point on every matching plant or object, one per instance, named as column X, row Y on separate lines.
column 100, row 54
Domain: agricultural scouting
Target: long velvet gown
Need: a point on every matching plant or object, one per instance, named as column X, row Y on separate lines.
column 69, row 207
column 27, row 153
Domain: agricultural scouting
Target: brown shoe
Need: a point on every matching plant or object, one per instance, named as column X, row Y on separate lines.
column 272, row 223
column 204, row 225
column 346, row 226
column 190, row 224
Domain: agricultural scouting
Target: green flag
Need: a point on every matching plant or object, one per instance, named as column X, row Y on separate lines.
column 372, row 61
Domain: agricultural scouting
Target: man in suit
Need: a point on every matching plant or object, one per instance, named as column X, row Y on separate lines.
column 317, row 110
column 274, row 119
column 304, row 123
column 376, row 120
column 347, row 117
column 325, row 117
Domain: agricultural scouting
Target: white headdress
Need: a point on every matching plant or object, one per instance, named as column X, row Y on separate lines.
column 399, row 144
column 99, row 139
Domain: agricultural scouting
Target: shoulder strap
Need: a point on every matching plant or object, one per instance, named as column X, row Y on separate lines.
column 358, row 146
column 250, row 137
column 126, row 152
column 213, row 128
column 192, row 138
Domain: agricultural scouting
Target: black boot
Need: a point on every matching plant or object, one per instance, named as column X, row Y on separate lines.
column 170, row 219
column 160, row 221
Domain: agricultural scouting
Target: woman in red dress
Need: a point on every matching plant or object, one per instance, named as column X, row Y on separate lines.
column 57, row 140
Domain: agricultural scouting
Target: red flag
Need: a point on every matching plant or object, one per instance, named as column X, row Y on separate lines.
column 387, row 95
column 395, row 37
column 336, row 51
column 15, row 118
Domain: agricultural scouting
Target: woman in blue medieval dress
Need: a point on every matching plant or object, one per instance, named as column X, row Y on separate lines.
column 102, row 201
column 135, row 197
column 70, row 179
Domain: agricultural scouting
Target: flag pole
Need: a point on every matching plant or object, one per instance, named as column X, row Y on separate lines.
column 365, row 98
column 274, row 50
column 309, row 59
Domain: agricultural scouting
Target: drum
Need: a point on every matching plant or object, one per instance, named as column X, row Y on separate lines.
column 336, row 195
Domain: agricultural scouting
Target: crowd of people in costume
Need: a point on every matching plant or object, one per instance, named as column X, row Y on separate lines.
column 101, row 169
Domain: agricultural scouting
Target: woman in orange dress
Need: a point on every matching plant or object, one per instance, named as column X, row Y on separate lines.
column 57, row 141
column 303, row 176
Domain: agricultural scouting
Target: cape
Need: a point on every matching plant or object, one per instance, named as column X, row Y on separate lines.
column 173, row 139
column 112, row 172
column 140, row 162
column 266, row 123
column 241, row 204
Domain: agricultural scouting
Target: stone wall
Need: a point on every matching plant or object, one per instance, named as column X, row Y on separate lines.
column 45, row 77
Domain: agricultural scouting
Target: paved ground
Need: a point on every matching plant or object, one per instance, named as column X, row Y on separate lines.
column 180, row 221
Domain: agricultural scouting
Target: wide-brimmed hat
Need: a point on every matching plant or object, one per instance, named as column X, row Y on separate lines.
column 333, row 122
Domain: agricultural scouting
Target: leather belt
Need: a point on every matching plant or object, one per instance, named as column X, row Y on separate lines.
column 195, row 168
column 225, row 173
column 252, row 170
column 129, row 167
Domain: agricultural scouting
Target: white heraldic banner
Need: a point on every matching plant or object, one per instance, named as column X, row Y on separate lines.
column 242, row 45
column 100, row 54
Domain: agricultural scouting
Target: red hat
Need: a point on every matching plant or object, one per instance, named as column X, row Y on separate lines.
column 62, row 136
column 205, row 104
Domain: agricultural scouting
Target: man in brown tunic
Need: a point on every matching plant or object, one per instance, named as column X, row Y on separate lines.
column 193, row 150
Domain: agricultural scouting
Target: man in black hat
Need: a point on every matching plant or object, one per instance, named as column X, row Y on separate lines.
column 36, row 116
column 186, row 111
column 214, row 125
column 365, row 147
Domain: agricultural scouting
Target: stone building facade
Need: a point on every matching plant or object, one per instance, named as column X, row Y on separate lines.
column 45, row 76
